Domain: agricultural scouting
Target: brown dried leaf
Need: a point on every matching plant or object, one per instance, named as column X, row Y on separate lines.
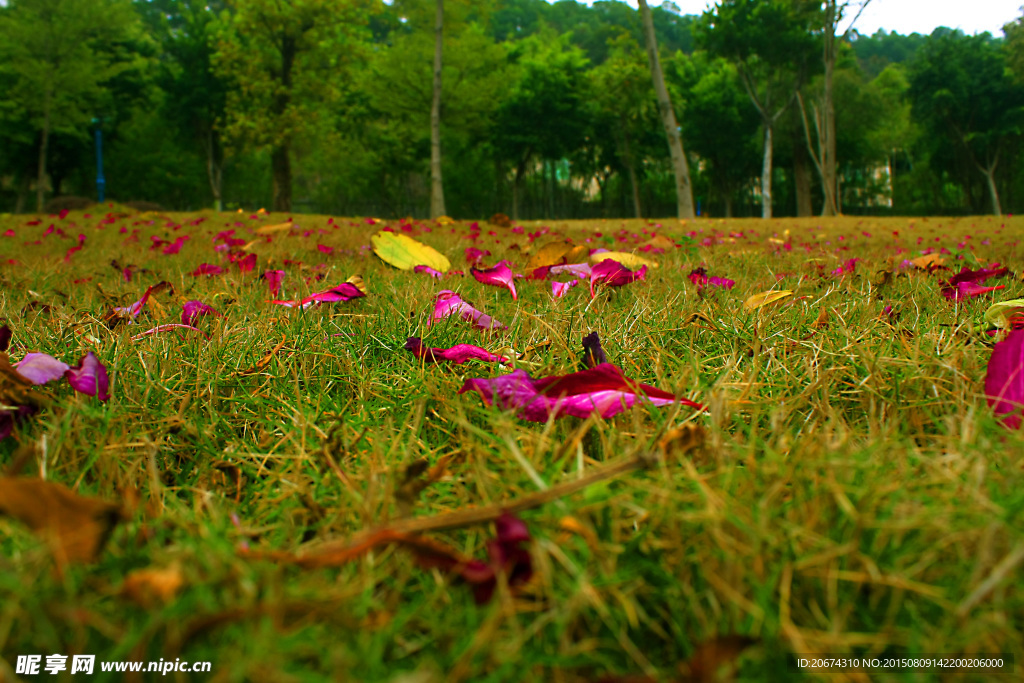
column 76, row 526
column 682, row 440
column 715, row 659
column 822, row 322
column 149, row 587
column 928, row 261
column 269, row 229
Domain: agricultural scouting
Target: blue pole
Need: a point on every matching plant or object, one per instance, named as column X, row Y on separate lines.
column 100, row 181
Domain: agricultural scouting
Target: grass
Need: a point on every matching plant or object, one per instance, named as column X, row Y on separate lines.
column 854, row 493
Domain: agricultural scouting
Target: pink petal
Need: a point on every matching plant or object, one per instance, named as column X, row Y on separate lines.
column 429, row 271
column 1004, row 379
column 613, row 274
column 324, row 249
column 207, row 269
column 473, row 255
column 966, row 290
column 90, row 377
column 273, row 279
column 176, row 246
column 448, row 303
column 580, row 270
column 40, row 368
column 558, row 289
column 346, row 291
column 166, row 328
column 246, row 264
column 192, row 310
column 458, row 354
column 602, row 389
column 499, row 276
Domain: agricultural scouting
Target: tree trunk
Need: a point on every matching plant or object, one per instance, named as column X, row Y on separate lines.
column 993, row 191
column 728, row 204
column 631, row 170
column 826, row 121
column 766, row 172
column 280, row 159
column 282, row 169
column 437, row 208
column 214, row 167
column 802, row 181
column 684, row 191
column 43, row 147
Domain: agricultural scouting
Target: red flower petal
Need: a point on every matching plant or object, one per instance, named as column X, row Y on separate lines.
column 613, row 274
column 90, row 377
column 273, row 279
column 458, row 354
column 192, row 310
column 448, row 303
column 1004, row 379
column 499, row 276
column 207, row 269
column 602, row 389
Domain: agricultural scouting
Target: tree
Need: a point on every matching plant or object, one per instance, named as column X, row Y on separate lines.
column 961, row 88
column 721, row 126
column 436, row 186
column 284, row 58
column 195, row 95
column 547, row 112
column 768, row 42
column 684, row 191
column 51, row 52
column 824, row 111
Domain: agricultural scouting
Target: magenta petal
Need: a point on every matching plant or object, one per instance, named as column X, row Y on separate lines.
column 192, row 310
column 246, row 264
column 449, row 303
column 966, row 290
column 976, row 276
column 602, row 389
column 346, row 291
column 40, row 368
column 429, row 271
column 558, row 289
column 580, row 270
column 614, row 274
column 1004, row 380
column 273, row 279
column 499, row 276
column 207, row 269
column 458, row 354
column 90, row 377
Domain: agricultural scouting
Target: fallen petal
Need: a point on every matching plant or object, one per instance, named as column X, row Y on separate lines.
column 558, row 289
column 458, row 354
column 40, row 368
column 448, row 303
column 193, row 310
column 613, row 274
column 90, row 377
column 499, row 276
column 1004, row 379
column 603, row 390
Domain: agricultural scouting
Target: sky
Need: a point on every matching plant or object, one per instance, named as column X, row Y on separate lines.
column 914, row 16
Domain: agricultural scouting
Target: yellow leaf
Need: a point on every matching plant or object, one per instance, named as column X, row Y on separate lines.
column 631, row 261
column 928, row 261
column 445, row 220
column 999, row 314
column 357, row 280
column 557, row 253
column 404, row 253
column 268, row 229
column 764, row 298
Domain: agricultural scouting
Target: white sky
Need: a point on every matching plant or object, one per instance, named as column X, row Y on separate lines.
column 914, row 16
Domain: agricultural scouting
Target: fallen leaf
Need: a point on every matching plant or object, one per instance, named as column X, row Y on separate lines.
column 151, row 587
column 269, row 229
column 404, row 253
column 764, row 298
column 557, row 253
column 715, row 660
column 1000, row 314
column 626, row 259
column 77, row 526
column 928, row 261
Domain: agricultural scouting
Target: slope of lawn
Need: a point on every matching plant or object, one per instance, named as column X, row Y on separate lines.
column 851, row 491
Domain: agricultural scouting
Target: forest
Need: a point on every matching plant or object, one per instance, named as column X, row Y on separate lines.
column 547, row 111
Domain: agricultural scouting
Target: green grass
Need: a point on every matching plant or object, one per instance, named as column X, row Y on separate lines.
column 853, row 492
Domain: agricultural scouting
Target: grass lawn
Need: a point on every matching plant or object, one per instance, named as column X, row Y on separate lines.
column 847, row 490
